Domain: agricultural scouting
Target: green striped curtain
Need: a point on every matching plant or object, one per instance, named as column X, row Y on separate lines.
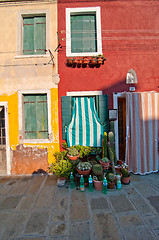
column 36, row 116
column 34, row 35
column 83, row 33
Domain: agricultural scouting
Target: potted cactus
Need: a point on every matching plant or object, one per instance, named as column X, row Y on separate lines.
column 111, row 180
column 98, row 177
column 105, row 163
column 125, row 176
column 84, row 168
column 73, row 154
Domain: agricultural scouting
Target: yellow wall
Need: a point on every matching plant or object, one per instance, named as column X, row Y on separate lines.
column 27, row 73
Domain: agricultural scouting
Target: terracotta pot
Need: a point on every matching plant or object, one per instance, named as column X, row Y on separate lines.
column 79, row 61
column 62, row 178
column 85, row 60
column 98, row 185
column 70, row 61
column 93, row 61
column 73, row 158
column 86, row 172
column 125, row 180
column 118, row 169
column 111, row 185
column 100, row 60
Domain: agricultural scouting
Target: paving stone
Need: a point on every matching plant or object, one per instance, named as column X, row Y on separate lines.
column 58, row 216
column 79, row 230
column 26, row 202
column 105, row 227
column 145, row 189
column 58, row 229
column 130, row 190
column 99, row 204
column 7, row 188
column 78, row 207
column 32, row 238
column 121, row 203
column 37, row 222
column 138, row 233
column 51, row 180
column 130, row 220
column 20, row 188
column 3, row 218
column 14, row 227
column 27, row 178
column 61, row 203
column 142, row 206
column 37, row 181
column 135, row 178
column 153, row 222
column 46, row 197
column 154, row 201
column 10, row 202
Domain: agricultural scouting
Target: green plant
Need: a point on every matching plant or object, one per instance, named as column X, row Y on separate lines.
column 111, row 139
column 111, row 177
column 62, row 168
column 104, row 145
column 97, row 170
column 125, row 172
column 84, row 166
column 73, row 151
column 104, row 160
column 84, row 151
column 60, row 155
column 64, row 145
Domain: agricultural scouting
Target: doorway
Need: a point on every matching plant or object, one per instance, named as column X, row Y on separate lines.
column 122, row 127
column 4, row 140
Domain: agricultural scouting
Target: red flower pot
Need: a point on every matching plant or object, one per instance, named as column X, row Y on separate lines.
column 85, row 172
column 98, row 185
column 111, row 185
column 73, row 158
column 125, row 180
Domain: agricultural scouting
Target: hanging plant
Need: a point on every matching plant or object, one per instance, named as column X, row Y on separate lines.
column 69, row 61
column 85, row 60
column 93, row 61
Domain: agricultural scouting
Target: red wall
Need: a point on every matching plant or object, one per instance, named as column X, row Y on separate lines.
column 130, row 39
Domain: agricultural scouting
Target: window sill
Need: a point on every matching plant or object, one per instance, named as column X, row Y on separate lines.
column 32, row 56
column 35, row 141
column 84, row 54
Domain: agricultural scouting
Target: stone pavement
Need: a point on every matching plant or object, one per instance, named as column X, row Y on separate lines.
column 33, row 207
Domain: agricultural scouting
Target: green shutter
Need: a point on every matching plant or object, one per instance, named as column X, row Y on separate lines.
column 30, row 116
column 66, row 105
column 36, row 116
column 83, row 33
column 102, row 106
column 42, row 113
column 28, row 36
column 40, row 35
column 34, row 35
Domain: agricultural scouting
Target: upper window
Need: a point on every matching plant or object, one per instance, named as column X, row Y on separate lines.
column 83, row 31
column 34, row 35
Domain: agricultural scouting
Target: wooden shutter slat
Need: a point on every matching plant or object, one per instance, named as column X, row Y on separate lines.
column 28, row 36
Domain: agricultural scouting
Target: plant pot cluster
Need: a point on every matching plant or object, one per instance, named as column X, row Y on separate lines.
column 85, row 61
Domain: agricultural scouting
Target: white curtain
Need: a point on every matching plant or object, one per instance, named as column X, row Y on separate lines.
column 142, row 134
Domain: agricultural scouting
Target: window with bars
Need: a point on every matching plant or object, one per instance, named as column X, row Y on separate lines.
column 35, row 116
column 2, row 127
column 34, row 35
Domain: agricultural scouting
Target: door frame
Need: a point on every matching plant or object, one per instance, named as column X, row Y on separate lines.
column 8, row 159
column 115, row 106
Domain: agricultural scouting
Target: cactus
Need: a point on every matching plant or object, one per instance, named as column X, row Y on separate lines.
column 111, row 156
column 73, row 152
column 104, row 145
column 97, row 170
column 111, row 177
column 125, row 172
column 112, row 145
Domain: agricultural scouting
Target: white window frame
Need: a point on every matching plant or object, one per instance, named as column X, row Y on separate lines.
column 86, row 10
column 84, row 93
column 21, row 116
column 31, row 13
